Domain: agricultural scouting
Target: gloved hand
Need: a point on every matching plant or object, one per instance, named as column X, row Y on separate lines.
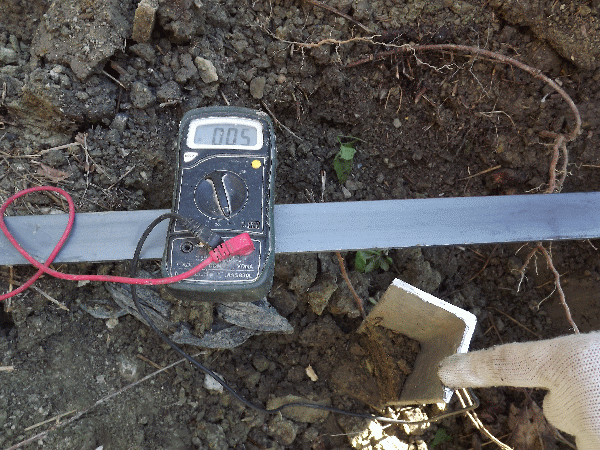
column 568, row 367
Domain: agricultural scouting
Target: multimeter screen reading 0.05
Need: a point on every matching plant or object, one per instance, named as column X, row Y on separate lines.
column 231, row 133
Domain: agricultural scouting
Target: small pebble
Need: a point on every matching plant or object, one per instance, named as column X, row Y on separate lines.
column 141, row 95
column 207, row 70
column 143, row 20
column 212, row 385
column 7, row 56
column 257, row 87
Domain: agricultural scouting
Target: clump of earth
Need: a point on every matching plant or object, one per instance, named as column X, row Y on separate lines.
column 91, row 94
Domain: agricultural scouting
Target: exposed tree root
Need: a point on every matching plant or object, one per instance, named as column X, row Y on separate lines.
column 561, row 295
column 357, row 299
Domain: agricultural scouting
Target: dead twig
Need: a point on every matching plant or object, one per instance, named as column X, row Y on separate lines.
column 359, row 302
column 49, row 297
column 279, row 123
column 13, row 282
column 149, row 361
column 517, row 322
column 11, row 278
column 106, row 74
column 487, row 261
column 60, row 147
column 52, row 419
column 549, row 281
column 476, row 421
column 81, row 139
column 483, row 172
column 127, row 172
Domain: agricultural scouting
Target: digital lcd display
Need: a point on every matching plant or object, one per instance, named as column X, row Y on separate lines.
column 226, row 135
column 234, row 133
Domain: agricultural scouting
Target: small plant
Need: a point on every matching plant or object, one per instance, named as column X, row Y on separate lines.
column 342, row 163
column 440, row 437
column 369, row 260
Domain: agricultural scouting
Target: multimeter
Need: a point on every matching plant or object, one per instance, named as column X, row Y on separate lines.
column 225, row 181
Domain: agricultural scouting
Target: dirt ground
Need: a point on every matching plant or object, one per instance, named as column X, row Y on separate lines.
column 72, row 76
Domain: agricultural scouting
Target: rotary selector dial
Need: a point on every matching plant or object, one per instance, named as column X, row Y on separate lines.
column 221, row 194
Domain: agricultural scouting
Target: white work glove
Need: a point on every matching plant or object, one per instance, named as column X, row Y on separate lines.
column 568, row 367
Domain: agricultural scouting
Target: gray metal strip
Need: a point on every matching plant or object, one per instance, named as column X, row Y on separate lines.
column 313, row 227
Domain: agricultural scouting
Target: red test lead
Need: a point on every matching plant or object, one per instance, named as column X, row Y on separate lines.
column 239, row 245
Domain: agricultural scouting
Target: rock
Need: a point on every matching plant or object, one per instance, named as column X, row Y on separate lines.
column 320, row 293
column 180, row 436
column 321, row 334
column 342, row 301
column 207, row 70
column 297, row 269
column 188, row 69
column 46, row 103
column 144, row 51
column 181, row 19
column 352, row 185
column 212, row 385
column 219, row 336
column 300, row 414
column 213, row 435
column 129, row 368
column 428, row 280
column 260, row 363
column 13, row 86
column 119, row 122
column 258, row 315
column 283, row 300
column 141, row 95
column 416, row 270
column 143, row 21
column 371, row 434
column 82, row 34
column 257, row 87
column 168, row 92
column 283, row 430
column 329, row 264
column 459, row 7
column 7, row 56
column 415, row 415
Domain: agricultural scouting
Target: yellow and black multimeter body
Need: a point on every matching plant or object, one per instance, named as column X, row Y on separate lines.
column 225, row 181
